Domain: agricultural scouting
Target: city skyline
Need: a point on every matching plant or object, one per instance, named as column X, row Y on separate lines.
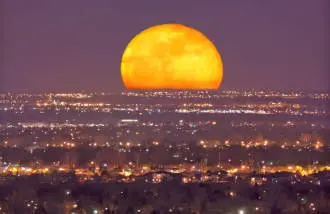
column 110, row 107
column 69, row 46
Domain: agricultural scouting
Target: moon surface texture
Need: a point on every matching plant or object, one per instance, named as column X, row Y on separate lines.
column 171, row 56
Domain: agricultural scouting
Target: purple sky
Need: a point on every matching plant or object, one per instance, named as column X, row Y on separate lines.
column 77, row 45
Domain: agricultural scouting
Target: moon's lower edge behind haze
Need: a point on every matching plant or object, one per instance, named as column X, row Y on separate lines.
column 171, row 56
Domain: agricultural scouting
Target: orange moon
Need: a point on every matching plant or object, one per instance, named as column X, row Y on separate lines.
column 171, row 56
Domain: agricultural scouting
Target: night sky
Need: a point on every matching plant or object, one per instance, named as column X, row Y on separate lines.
column 77, row 45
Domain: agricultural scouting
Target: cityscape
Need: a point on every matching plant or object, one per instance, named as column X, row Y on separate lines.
column 164, row 107
column 147, row 147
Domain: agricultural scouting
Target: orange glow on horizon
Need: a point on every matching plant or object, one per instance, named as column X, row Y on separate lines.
column 171, row 56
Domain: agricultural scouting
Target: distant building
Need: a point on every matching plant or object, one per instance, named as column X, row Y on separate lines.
column 127, row 122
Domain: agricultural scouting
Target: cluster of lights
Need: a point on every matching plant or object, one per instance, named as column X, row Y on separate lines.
column 64, row 144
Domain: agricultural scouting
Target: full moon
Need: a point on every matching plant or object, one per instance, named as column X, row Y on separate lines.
column 171, row 56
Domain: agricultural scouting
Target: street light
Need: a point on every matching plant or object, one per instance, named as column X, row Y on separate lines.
column 241, row 211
